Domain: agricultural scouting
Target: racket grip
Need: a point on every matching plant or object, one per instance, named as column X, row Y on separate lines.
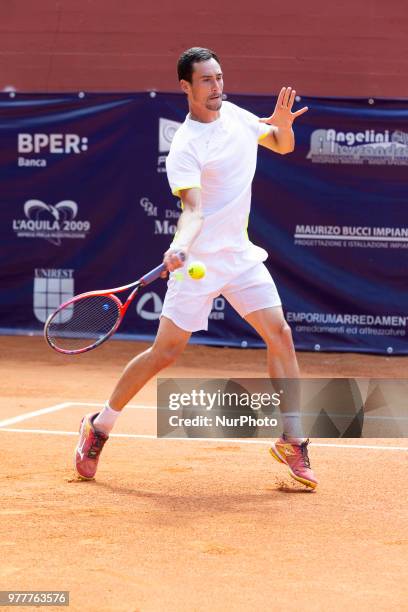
column 155, row 273
column 152, row 275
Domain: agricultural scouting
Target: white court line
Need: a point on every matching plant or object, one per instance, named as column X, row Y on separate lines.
column 91, row 404
column 31, row 415
column 58, row 432
column 217, row 440
column 402, row 448
column 56, row 407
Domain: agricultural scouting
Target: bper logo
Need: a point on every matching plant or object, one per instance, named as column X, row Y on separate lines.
column 149, row 306
column 51, row 222
column 47, row 144
column 52, row 143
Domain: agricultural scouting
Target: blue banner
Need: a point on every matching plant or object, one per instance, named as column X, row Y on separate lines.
column 85, row 204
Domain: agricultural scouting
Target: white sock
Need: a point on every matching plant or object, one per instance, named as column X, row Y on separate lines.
column 292, row 426
column 106, row 419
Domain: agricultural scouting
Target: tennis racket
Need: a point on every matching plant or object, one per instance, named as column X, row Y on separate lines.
column 89, row 319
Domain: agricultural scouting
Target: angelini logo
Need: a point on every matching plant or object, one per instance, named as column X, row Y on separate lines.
column 363, row 147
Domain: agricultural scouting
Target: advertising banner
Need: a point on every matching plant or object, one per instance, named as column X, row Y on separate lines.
column 85, row 204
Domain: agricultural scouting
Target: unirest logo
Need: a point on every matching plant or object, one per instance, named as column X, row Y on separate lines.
column 51, row 222
column 52, row 287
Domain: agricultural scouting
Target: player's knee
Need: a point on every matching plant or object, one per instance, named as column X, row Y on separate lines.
column 287, row 337
column 279, row 337
column 166, row 355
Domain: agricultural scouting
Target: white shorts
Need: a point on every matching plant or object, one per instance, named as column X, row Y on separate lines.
column 252, row 290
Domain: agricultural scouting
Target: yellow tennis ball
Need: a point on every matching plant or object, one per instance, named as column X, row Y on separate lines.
column 197, row 270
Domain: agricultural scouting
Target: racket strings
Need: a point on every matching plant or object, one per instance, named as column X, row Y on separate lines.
column 83, row 323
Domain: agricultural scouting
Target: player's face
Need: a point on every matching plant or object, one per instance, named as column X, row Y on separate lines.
column 205, row 91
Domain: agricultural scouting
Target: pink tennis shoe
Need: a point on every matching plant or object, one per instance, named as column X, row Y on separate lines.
column 296, row 457
column 89, row 447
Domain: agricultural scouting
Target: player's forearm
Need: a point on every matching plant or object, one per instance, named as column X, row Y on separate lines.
column 285, row 139
column 188, row 228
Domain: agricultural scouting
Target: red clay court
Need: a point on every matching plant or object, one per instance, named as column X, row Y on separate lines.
column 191, row 525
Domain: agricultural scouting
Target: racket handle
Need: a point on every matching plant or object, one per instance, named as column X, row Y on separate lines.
column 155, row 273
column 152, row 275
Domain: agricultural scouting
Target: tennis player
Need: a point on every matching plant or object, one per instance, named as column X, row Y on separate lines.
column 211, row 166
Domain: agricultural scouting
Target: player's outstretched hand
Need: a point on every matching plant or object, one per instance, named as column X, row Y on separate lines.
column 282, row 116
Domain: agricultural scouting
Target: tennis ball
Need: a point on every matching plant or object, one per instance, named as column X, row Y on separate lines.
column 197, row 270
column 178, row 275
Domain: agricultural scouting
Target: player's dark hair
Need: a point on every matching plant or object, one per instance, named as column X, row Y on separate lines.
column 189, row 57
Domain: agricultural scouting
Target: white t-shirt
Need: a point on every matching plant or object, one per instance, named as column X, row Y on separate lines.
column 220, row 158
